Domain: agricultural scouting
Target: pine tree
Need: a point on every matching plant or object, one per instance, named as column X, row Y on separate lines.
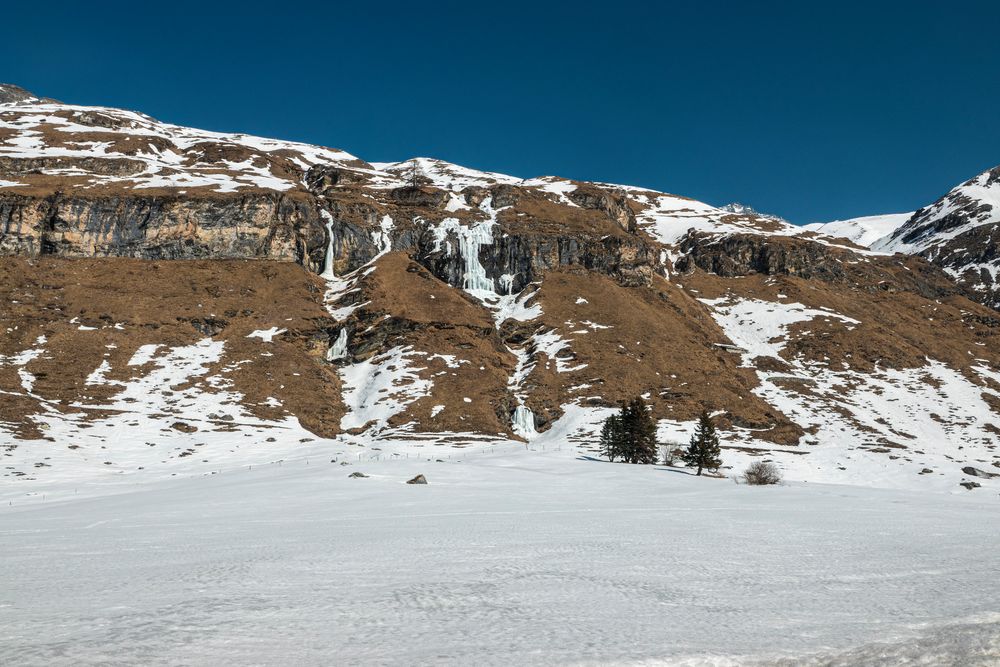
column 627, row 419
column 643, row 444
column 630, row 435
column 611, row 438
column 703, row 451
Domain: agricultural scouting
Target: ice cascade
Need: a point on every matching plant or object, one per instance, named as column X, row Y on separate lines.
column 339, row 348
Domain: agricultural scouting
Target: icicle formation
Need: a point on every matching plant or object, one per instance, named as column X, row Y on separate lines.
column 523, row 422
column 507, row 283
column 469, row 241
column 339, row 348
column 474, row 276
column 328, row 260
column 383, row 237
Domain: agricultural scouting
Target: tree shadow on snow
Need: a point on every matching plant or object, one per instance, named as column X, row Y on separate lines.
column 678, row 471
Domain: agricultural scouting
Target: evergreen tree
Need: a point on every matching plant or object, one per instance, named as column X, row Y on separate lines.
column 642, row 433
column 627, row 419
column 703, row 451
column 630, row 435
column 612, row 437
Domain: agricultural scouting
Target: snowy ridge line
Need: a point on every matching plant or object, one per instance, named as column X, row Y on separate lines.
column 174, row 157
column 666, row 217
column 174, row 167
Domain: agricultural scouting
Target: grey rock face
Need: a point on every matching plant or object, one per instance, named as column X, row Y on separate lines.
column 524, row 257
column 263, row 225
column 743, row 254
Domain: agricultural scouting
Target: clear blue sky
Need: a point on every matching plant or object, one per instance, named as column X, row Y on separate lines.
column 811, row 110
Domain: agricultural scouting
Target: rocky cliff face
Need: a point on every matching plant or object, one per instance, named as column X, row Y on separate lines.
column 736, row 255
column 80, row 182
column 252, row 225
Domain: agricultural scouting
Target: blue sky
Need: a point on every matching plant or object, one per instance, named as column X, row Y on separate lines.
column 811, row 110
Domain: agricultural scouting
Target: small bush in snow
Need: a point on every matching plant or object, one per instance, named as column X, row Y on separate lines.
column 760, row 473
column 671, row 452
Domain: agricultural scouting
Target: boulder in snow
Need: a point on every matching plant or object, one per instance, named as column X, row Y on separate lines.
column 976, row 472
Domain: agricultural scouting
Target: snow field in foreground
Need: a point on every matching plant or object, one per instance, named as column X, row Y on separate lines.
column 525, row 557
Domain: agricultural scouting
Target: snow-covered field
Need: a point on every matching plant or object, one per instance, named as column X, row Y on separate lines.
column 509, row 556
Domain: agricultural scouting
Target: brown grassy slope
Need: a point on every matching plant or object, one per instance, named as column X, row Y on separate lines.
column 660, row 342
column 169, row 303
column 898, row 329
column 408, row 306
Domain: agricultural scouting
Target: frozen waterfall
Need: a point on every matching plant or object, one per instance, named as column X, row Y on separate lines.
column 339, row 348
column 523, row 422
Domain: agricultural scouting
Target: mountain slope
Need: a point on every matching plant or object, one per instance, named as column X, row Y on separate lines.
column 961, row 233
column 422, row 306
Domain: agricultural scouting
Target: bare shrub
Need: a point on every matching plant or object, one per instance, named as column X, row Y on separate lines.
column 761, row 473
column 671, row 452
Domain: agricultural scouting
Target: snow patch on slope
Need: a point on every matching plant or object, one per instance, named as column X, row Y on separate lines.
column 379, row 388
column 138, row 426
column 760, row 327
column 876, row 429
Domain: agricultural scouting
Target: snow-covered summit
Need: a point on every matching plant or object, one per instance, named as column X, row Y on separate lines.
column 960, row 232
column 744, row 209
column 970, row 205
column 863, row 231
column 11, row 94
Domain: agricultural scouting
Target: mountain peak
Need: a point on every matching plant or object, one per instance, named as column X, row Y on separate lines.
column 11, row 94
column 743, row 209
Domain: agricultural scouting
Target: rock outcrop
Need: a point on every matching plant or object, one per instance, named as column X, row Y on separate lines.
column 258, row 225
column 734, row 255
